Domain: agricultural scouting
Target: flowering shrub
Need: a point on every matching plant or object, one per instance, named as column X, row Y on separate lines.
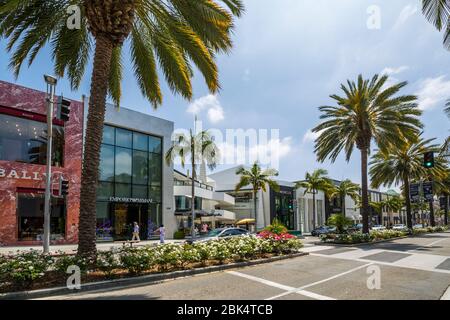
column 276, row 227
column 274, row 236
column 136, row 260
column 429, row 230
column 26, row 267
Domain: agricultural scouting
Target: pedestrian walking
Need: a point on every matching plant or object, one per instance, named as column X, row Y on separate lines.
column 135, row 232
column 162, row 234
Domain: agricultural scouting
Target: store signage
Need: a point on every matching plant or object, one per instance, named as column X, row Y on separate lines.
column 130, row 200
column 20, row 174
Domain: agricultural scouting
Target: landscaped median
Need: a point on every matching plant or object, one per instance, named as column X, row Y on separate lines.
column 375, row 236
column 33, row 270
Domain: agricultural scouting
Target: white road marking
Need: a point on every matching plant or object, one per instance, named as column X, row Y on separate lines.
column 446, row 295
column 436, row 242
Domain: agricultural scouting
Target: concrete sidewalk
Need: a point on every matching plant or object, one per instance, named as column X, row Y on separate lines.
column 71, row 248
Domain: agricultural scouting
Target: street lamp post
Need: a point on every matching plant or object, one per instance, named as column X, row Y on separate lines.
column 51, row 86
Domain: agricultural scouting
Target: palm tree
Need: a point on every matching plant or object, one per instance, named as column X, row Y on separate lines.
column 368, row 111
column 199, row 148
column 172, row 34
column 344, row 189
column 314, row 182
column 401, row 165
column 259, row 180
column 438, row 12
column 394, row 204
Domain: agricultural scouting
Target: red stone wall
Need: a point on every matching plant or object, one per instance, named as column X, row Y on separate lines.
column 26, row 99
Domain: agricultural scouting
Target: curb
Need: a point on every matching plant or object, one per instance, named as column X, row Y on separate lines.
column 141, row 280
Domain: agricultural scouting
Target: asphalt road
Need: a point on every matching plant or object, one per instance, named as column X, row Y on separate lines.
column 411, row 268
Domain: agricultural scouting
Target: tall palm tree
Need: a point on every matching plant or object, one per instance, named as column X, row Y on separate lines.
column 368, row 112
column 401, row 165
column 344, row 189
column 173, row 34
column 259, row 180
column 198, row 148
column 318, row 180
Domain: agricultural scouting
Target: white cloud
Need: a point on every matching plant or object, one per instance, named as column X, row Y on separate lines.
column 433, row 92
column 210, row 103
column 273, row 148
column 405, row 14
column 246, row 76
column 310, row 136
column 390, row 71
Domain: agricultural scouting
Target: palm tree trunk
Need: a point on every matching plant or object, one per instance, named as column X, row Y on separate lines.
column 407, row 201
column 432, row 220
column 91, row 160
column 364, row 191
column 446, row 209
column 193, row 192
column 314, row 209
column 255, row 209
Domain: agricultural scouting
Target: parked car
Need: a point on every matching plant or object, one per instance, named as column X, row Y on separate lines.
column 220, row 233
column 399, row 227
column 322, row 230
column 378, row 227
column 418, row 226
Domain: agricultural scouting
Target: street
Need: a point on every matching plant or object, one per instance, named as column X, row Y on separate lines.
column 409, row 268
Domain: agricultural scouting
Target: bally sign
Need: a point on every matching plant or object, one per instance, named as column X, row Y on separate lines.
column 20, row 174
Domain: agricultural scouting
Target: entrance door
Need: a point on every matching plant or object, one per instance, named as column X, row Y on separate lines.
column 124, row 215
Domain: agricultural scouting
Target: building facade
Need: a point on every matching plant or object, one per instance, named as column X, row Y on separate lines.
column 23, row 147
column 135, row 184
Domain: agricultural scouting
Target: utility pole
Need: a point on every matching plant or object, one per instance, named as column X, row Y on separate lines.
column 51, row 86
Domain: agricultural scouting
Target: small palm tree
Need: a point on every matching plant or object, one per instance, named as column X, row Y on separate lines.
column 199, row 148
column 394, row 204
column 169, row 36
column 368, row 112
column 401, row 165
column 340, row 222
column 344, row 189
column 259, row 180
column 314, row 182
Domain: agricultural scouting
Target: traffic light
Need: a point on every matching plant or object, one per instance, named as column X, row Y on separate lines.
column 63, row 187
column 63, row 109
column 428, row 160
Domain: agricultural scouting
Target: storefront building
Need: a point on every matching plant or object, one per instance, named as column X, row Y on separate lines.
column 135, row 185
column 23, row 147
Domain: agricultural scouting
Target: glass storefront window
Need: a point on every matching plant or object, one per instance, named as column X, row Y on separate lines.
column 140, row 141
column 123, row 165
column 140, row 167
column 123, row 138
column 105, row 190
column 108, row 135
column 107, row 163
column 155, row 167
column 24, row 140
column 154, row 144
column 30, row 208
column 139, row 192
column 123, row 190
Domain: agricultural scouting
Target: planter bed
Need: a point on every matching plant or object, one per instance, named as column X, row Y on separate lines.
column 97, row 280
column 320, row 243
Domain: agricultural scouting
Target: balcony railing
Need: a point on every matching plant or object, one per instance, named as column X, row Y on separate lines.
column 196, row 184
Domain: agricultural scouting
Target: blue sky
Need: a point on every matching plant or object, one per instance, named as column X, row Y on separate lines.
column 289, row 56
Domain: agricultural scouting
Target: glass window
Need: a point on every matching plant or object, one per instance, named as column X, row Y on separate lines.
column 154, row 193
column 154, row 144
column 24, row 140
column 108, row 135
column 107, row 163
column 140, row 141
column 123, row 138
column 105, row 190
column 140, row 167
column 155, row 169
column 139, row 192
column 123, row 165
column 31, row 217
column 123, row 190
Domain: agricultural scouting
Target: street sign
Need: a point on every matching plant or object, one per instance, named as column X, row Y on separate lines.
column 414, row 192
column 428, row 190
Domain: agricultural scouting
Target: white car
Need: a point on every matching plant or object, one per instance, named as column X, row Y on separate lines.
column 399, row 227
column 378, row 227
column 418, row 226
